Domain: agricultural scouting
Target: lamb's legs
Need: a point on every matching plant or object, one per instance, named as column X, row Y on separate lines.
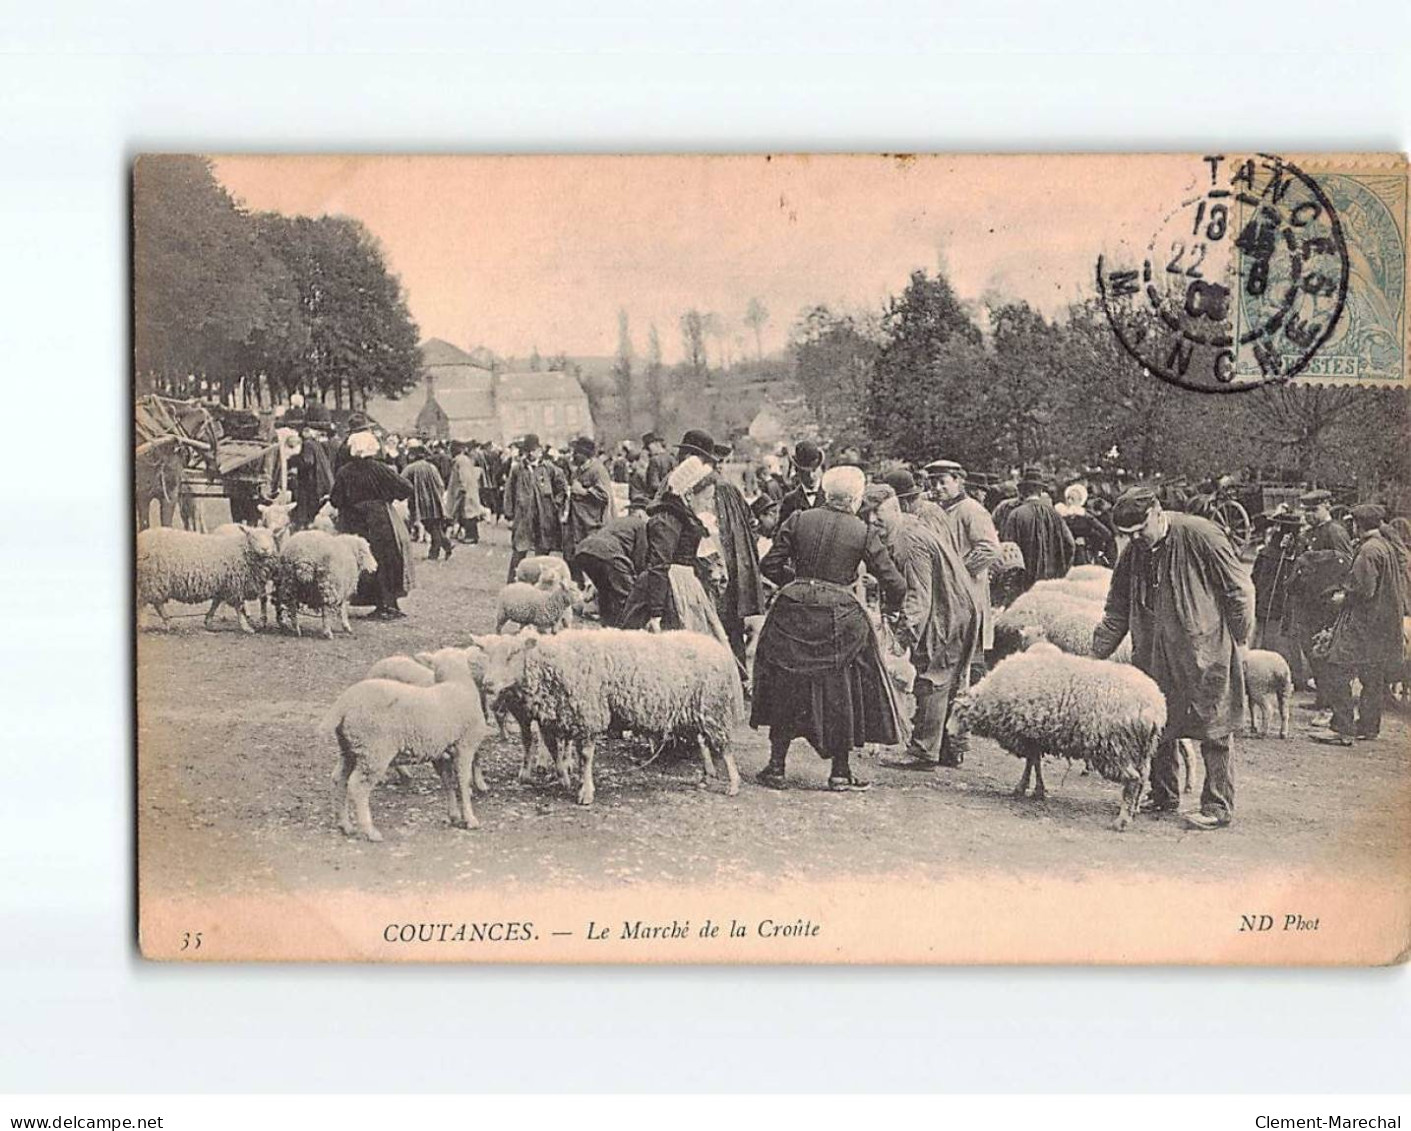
column 1039, row 792
column 359, row 795
column 1133, row 786
column 562, row 751
column 210, row 621
column 477, row 775
column 732, row 773
column 448, row 789
column 526, row 738
column 1284, row 698
column 327, row 630
column 707, row 763
column 585, row 758
column 343, row 617
column 264, row 610
column 1023, row 787
column 242, row 619
column 160, row 606
column 340, row 795
column 464, row 769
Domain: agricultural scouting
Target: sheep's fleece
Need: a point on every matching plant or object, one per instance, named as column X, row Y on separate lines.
column 1046, row 702
column 179, row 565
column 1067, row 622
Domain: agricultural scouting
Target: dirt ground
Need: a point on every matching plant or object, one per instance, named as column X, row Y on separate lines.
column 234, row 790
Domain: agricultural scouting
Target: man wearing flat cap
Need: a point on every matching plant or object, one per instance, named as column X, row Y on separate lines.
column 1181, row 592
column 1039, row 531
column 972, row 532
column 1324, row 556
column 589, row 498
column 808, row 489
column 1366, row 637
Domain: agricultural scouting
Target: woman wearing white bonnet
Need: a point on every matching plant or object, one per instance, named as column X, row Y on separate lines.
column 667, row 593
column 818, row 667
column 364, row 490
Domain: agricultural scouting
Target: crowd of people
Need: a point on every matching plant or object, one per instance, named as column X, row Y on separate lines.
column 780, row 551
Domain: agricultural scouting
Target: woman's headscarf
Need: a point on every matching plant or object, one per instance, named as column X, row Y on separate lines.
column 362, row 445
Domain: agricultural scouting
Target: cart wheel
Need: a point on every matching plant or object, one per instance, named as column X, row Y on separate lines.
column 1234, row 520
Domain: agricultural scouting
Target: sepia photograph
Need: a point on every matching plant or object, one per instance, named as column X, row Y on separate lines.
column 772, row 558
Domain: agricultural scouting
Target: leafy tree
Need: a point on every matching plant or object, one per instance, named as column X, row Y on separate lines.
column 1027, row 377
column 693, row 336
column 832, row 359
column 656, row 378
column 622, row 372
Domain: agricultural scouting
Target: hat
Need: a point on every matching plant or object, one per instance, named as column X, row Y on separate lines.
column 902, row 482
column 1368, row 514
column 584, row 446
column 808, row 455
column 528, row 442
column 1313, row 498
column 978, row 478
column 724, row 450
column 357, row 421
column 1131, row 509
column 1287, row 521
column 1033, row 476
column 945, row 467
column 875, row 495
column 650, row 438
column 697, row 443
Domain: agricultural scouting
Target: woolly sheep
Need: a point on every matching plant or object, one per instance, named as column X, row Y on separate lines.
column 1045, row 702
column 379, row 720
column 547, row 607
column 1090, row 572
column 543, row 570
column 1065, row 620
column 580, row 684
column 1268, row 685
column 321, row 570
column 227, row 568
column 404, row 669
column 276, row 518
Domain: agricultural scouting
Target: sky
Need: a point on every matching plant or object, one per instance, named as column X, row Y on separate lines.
column 517, row 253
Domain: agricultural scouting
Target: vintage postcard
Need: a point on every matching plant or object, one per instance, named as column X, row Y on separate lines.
column 773, row 558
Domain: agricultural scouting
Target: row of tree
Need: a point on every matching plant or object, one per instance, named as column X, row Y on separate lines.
column 1005, row 387
column 250, row 308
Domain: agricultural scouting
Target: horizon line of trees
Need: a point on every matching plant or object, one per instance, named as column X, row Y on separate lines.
column 247, row 308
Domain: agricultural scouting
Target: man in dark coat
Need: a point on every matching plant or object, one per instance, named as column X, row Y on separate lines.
column 589, row 498
column 1181, row 592
column 1324, row 558
column 808, row 490
column 427, row 506
column 1366, row 638
column 737, row 532
column 1273, row 574
column 534, row 497
column 1039, row 531
column 611, row 557
column 659, row 465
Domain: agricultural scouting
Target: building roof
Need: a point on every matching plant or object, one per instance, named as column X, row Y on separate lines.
column 467, row 404
column 539, row 386
column 435, row 352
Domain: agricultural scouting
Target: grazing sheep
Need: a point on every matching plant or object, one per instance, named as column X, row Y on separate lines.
column 379, row 720
column 277, row 518
column 543, row 570
column 228, row 568
column 1090, row 572
column 1045, row 702
column 321, row 571
column 1067, row 622
column 1268, row 684
column 666, row 687
column 547, row 607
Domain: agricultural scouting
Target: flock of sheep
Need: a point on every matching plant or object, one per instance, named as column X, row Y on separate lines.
column 1048, row 697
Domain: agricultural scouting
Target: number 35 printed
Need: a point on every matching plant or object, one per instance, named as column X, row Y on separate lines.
column 190, row 940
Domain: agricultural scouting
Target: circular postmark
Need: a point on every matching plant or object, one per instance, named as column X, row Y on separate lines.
column 1242, row 283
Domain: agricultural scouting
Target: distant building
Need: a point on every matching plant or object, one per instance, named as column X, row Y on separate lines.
column 464, row 399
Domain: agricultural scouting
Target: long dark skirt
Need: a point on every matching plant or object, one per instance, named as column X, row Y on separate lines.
column 818, row 672
column 376, row 522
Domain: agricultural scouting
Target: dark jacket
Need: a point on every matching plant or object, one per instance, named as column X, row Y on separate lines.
column 619, row 539
column 829, row 545
column 799, row 499
column 744, row 591
column 588, row 511
column 674, row 535
column 1368, row 627
column 534, row 496
column 1189, row 606
column 1042, row 537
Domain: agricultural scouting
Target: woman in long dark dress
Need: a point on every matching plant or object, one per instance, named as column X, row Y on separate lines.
column 364, row 490
column 818, row 669
column 668, row 593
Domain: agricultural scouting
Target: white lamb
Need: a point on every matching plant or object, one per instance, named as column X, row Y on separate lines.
column 1065, row 620
column 548, row 607
column 1268, row 686
column 1090, row 572
column 581, row 684
column 380, row 720
column 1044, row 702
column 320, row 570
column 543, row 570
column 227, row 568
column 403, row 669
